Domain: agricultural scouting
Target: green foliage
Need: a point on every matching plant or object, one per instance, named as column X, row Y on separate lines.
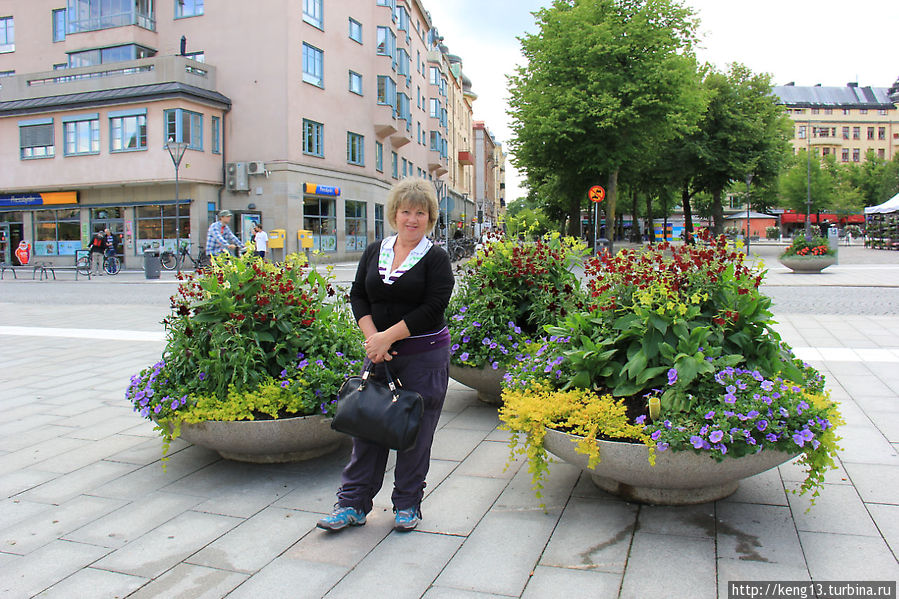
column 772, row 233
column 803, row 246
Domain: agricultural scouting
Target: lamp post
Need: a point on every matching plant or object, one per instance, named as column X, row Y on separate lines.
column 748, row 230
column 176, row 150
column 808, row 181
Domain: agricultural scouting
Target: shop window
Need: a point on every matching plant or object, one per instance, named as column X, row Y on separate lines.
column 312, row 13
column 356, row 226
column 7, row 35
column 188, row 8
column 82, row 136
column 36, row 139
column 355, row 30
column 216, row 135
column 355, row 148
column 127, row 132
column 355, row 83
column 313, row 65
column 156, row 226
column 59, row 25
column 379, row 222
column 313, row 138
column 184, row 126
column 379, row 157
column 57, row 232
column 320, row 217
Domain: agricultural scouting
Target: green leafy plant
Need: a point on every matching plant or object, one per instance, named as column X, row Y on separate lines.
column 808, row 246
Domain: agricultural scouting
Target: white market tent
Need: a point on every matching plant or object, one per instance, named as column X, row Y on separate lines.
column 891, row 205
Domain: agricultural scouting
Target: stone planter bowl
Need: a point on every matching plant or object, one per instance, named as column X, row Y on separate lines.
column 678, row 478
column 807, row 264
column 486, row 381
column 266, row 441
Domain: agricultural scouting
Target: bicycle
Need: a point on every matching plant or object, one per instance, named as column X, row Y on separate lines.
column 112, row 264
column 169, row 260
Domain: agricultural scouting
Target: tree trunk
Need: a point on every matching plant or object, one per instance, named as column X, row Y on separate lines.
column 688, row 213
column 717, row 213
column 611, row 201
column 635, row 224
column 650, row 226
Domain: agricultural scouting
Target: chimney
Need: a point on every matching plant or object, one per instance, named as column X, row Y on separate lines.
column 852, row 84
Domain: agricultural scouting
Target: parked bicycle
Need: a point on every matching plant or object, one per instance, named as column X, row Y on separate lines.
column 111, row 264
column 170, row 260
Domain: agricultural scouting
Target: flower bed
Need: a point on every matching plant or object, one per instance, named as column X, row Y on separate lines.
column 249, row 340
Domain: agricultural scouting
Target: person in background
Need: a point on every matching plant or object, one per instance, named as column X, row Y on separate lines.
column 98, row 251
column 111, row 242
column 260, row 238
column 220, row 239
column 402, row 287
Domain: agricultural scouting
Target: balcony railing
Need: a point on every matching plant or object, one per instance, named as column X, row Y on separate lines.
column 95, row 23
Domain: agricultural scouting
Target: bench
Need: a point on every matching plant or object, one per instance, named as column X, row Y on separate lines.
column 39, row 267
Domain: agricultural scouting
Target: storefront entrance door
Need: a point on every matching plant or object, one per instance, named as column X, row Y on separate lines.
column 110, row 218
column 5, row 248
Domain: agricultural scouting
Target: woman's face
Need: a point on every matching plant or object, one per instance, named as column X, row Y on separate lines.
column 411, row 223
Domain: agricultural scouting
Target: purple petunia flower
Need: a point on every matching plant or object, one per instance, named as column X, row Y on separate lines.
column 730, row 398
column 761, row 425
column 697, row 441
column 285, row 384
column 640, row 419
column 158, row 408
column 455, row 347
column 672, row 376
column 716, row 436
column 710, row 414
column 662, row 446
column 202, row 376
column 771, row 437
column 464, row 356
column 801, row 437
column 495, row 365
column 655, row 435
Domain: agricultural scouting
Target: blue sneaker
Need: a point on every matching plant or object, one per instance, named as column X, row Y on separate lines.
column 407, row 520
column 342, row 517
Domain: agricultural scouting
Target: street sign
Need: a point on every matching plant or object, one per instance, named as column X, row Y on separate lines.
column 597, row 193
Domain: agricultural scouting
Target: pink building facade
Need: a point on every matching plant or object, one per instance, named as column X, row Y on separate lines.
column 300, row 114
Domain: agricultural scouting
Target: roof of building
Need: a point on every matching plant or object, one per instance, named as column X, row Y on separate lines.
column 112, row 96
column 742, row 215
column 850, row 96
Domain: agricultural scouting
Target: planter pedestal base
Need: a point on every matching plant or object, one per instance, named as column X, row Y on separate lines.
column 486, row 381
column 657, row 496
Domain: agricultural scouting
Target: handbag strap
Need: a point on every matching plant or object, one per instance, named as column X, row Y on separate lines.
column 392, row 382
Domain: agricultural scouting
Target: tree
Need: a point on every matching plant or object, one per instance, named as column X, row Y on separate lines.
column 606, row 82
column 889, row 181
column 794, row 187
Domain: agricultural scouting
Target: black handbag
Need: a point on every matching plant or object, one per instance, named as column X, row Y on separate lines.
column 384, row 414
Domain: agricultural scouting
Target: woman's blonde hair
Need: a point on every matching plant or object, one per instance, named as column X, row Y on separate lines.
column 413, row 192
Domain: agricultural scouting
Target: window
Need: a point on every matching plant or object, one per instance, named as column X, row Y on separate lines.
column 379, row 156
column 355, row 148
column 82, row 135
column 815, row 111
column 386, row 42
column 379, row 222
column 355, row 30
column 435, row 141
column 845, row 132
column 847, row 111
column 184, row 126
column 156, row 226
column 394, row 165
column 313, row 65
column 88, row 58
column 60, row 66
column 59, row 25
column 313, row 138
column 863, row 111
column 356, row 225
column 57, row 232
column 403, row 62
column 434, row 76
column 435, row 108
column 856, row 133
column 845, row 155
column 127, row 132
column 320, row 217
column 92, row 15
column 881, row 133
column 828, row 111
column 856, row 155
column 403, row 110
column 870, row 132
column 312, row 13
column 198, row 56
column 826, row 151
column 802, row 132
column 188, row 8
column 7, row 35
column 882, row 111
column 36, row 139
column 216, row 135
column 355, row 83
column 881, row 153
column 401, row 16
column 386, row 91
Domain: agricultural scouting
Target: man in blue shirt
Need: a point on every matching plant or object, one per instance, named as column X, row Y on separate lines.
column 220, row 239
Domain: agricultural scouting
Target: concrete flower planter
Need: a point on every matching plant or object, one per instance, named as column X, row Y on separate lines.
column 807, row 264
column 266, row 441
column 678, row 478
column 485, row 380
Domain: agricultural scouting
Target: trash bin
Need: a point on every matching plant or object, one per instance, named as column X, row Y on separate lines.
column 151, row 264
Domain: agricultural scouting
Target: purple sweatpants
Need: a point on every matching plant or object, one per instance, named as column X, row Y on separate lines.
column 428, row 374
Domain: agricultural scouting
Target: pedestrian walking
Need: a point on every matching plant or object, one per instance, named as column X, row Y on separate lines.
column 98, row 251
column 220, row 239
column 260, row 238
column 401, row 290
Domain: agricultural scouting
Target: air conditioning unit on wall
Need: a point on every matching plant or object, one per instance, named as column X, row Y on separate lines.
column 236, row 177
column 256, row 167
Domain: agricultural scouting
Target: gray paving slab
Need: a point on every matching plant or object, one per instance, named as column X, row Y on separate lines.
column 557, row 486
column 764, row 533
column 436, row 592
column 766, row 487
column 491, row 459
column 476, row 417
column 146, row 451
column 17, row 440
column 793, row 472
column 459, row 503
column 837, row 509
column 46, row 566
column 91, row 582
column 886, row 517
column 876, row 483
column 185, row 581
column 681, row 520
column 689, row 567
column 68, row 486
column 500, row 553
column 13, row 483
column 865, row 445
column 257, row 541
column 887, row 423
column 860, row 558
column 572, row 584
column 166, row 546
column 736, row 570
column 345, row 548
column 275, row 581
column 25, row 458
column 437, row 473
column 13, row 511
column 593, row 534
column 455, row 443
column 154, row 477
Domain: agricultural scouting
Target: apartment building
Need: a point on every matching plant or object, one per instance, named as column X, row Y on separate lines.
column 490, row 173
column 846, row 122
column 300, row 114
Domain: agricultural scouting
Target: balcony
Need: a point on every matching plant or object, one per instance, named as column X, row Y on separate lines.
column 385, row 120
column 136, row 16
column 401, row 136
column 466, row 158
column 826, row 141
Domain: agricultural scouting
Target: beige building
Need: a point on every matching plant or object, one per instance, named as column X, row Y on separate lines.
column 489, row 174
column 846, row 122
column 298, row 113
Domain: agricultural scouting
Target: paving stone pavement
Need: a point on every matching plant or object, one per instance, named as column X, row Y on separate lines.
column 86, row 509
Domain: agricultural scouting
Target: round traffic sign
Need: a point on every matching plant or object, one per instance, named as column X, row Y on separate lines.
column 597, row 193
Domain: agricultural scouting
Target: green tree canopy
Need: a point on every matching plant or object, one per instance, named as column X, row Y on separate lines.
column 806, row 178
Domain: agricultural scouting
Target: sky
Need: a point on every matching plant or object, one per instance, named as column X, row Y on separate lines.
column 806, row 41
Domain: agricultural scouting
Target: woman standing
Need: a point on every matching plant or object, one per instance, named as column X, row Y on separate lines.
column 402, row 287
